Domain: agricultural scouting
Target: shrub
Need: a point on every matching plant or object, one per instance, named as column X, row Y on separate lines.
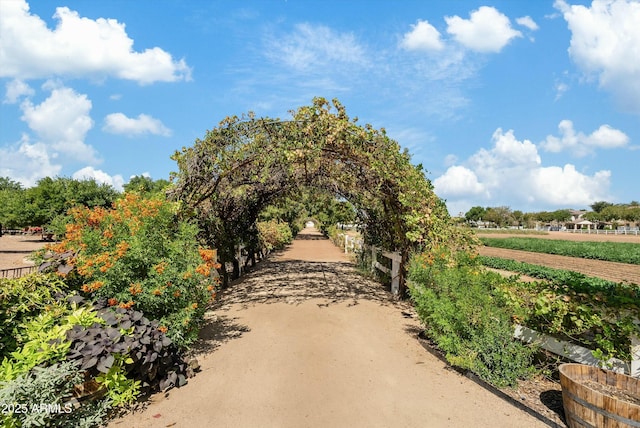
column 21, row 299
column 274, row 235
column 466, row 318
column 138, row 254
column 44, row 397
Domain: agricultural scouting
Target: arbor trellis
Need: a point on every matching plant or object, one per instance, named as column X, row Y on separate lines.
column 247, row 163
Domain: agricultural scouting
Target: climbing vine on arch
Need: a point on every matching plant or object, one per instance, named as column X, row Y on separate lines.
column 246, row 163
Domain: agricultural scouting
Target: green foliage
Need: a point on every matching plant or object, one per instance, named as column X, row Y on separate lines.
column 467, row 318
column 475, row 213
column 43, row 397
column 146, row 186
column 600, row 205
column 274, row 235
column 623, row 252
column 22, row 299
column 137, row 346
column 121, row 389
column 592, row 312
column 11, row 204
column 245, row 164
column 139, row 254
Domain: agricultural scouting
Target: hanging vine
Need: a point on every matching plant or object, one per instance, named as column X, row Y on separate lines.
column 246, row 163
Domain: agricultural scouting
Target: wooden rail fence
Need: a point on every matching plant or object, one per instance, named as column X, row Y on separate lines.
column 17, row 272
column 556, row 346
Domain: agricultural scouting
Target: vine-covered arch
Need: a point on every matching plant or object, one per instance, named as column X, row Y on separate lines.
column 246, row 163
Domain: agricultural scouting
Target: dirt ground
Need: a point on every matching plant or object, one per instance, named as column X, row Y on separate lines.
column 567, row 236
column 304, row 341
column 611, row 271
column 14, row 250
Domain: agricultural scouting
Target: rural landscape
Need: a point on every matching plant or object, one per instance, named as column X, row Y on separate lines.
column 128, row 284
column 319, row 213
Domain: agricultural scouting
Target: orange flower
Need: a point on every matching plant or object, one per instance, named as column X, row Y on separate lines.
column 163, row 329
column 112, row 302
column 127, row 305
column 94, row 286
column 194, row 306
column 203, row 270
column 135, row 289
column 122, row 248
column 187, row 275
column 176, row 293
column 160, row 267
column 210, row 288
column 157, row 292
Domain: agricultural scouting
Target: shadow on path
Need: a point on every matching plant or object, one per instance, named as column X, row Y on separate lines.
column 296, row 281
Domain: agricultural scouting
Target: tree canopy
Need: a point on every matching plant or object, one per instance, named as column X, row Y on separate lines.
column 247, row 163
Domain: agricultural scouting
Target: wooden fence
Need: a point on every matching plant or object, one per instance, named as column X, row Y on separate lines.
column 562, row 348
column 17, row 272
column 352, row 244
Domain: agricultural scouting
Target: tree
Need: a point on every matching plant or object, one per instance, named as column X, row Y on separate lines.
column 475, row 214
column 52, row 197
column 146, row 185
column 599, row 206
column 501, row 216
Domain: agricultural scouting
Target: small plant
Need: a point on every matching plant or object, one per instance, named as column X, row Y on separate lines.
column 467, row 319
column 138, row 254
column 21, row 299
column 137, row 346
column 120, row 389
column 44, row 397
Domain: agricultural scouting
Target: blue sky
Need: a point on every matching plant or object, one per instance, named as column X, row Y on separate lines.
column 533, row 105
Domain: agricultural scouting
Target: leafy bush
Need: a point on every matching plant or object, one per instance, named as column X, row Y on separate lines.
column 274, row 235
column 467, row 319
column 591, row 312
column 44, row 397
column 127, row 345
column 139, row 254
column 20, row 300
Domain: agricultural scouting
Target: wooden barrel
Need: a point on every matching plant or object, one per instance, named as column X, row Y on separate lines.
column 597, row 398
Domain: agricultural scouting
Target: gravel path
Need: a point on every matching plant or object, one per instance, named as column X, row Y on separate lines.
column 303, row 341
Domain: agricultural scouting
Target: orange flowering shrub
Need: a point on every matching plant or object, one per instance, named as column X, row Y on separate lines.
column 137, row 254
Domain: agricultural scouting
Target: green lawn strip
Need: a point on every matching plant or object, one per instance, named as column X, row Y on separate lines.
column 622, row 252
column 615, row 293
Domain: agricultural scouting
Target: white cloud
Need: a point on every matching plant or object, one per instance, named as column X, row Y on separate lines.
column 62, row 122
column 458, row 181
column 310, row 46
column 17, row 89
column 99, row 176
column 605, row 43
column 487, row 30
column 580, row 144
column 118, row 123
column 511, row 172
column 27, row 162
column 527, row 22
column 423, row 36
column 77, row 46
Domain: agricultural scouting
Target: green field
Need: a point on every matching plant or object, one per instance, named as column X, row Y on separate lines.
column 622, row 252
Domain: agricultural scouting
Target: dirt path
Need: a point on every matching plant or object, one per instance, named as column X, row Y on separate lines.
column 611, row 271
column 14, row 250
column 303, row 341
